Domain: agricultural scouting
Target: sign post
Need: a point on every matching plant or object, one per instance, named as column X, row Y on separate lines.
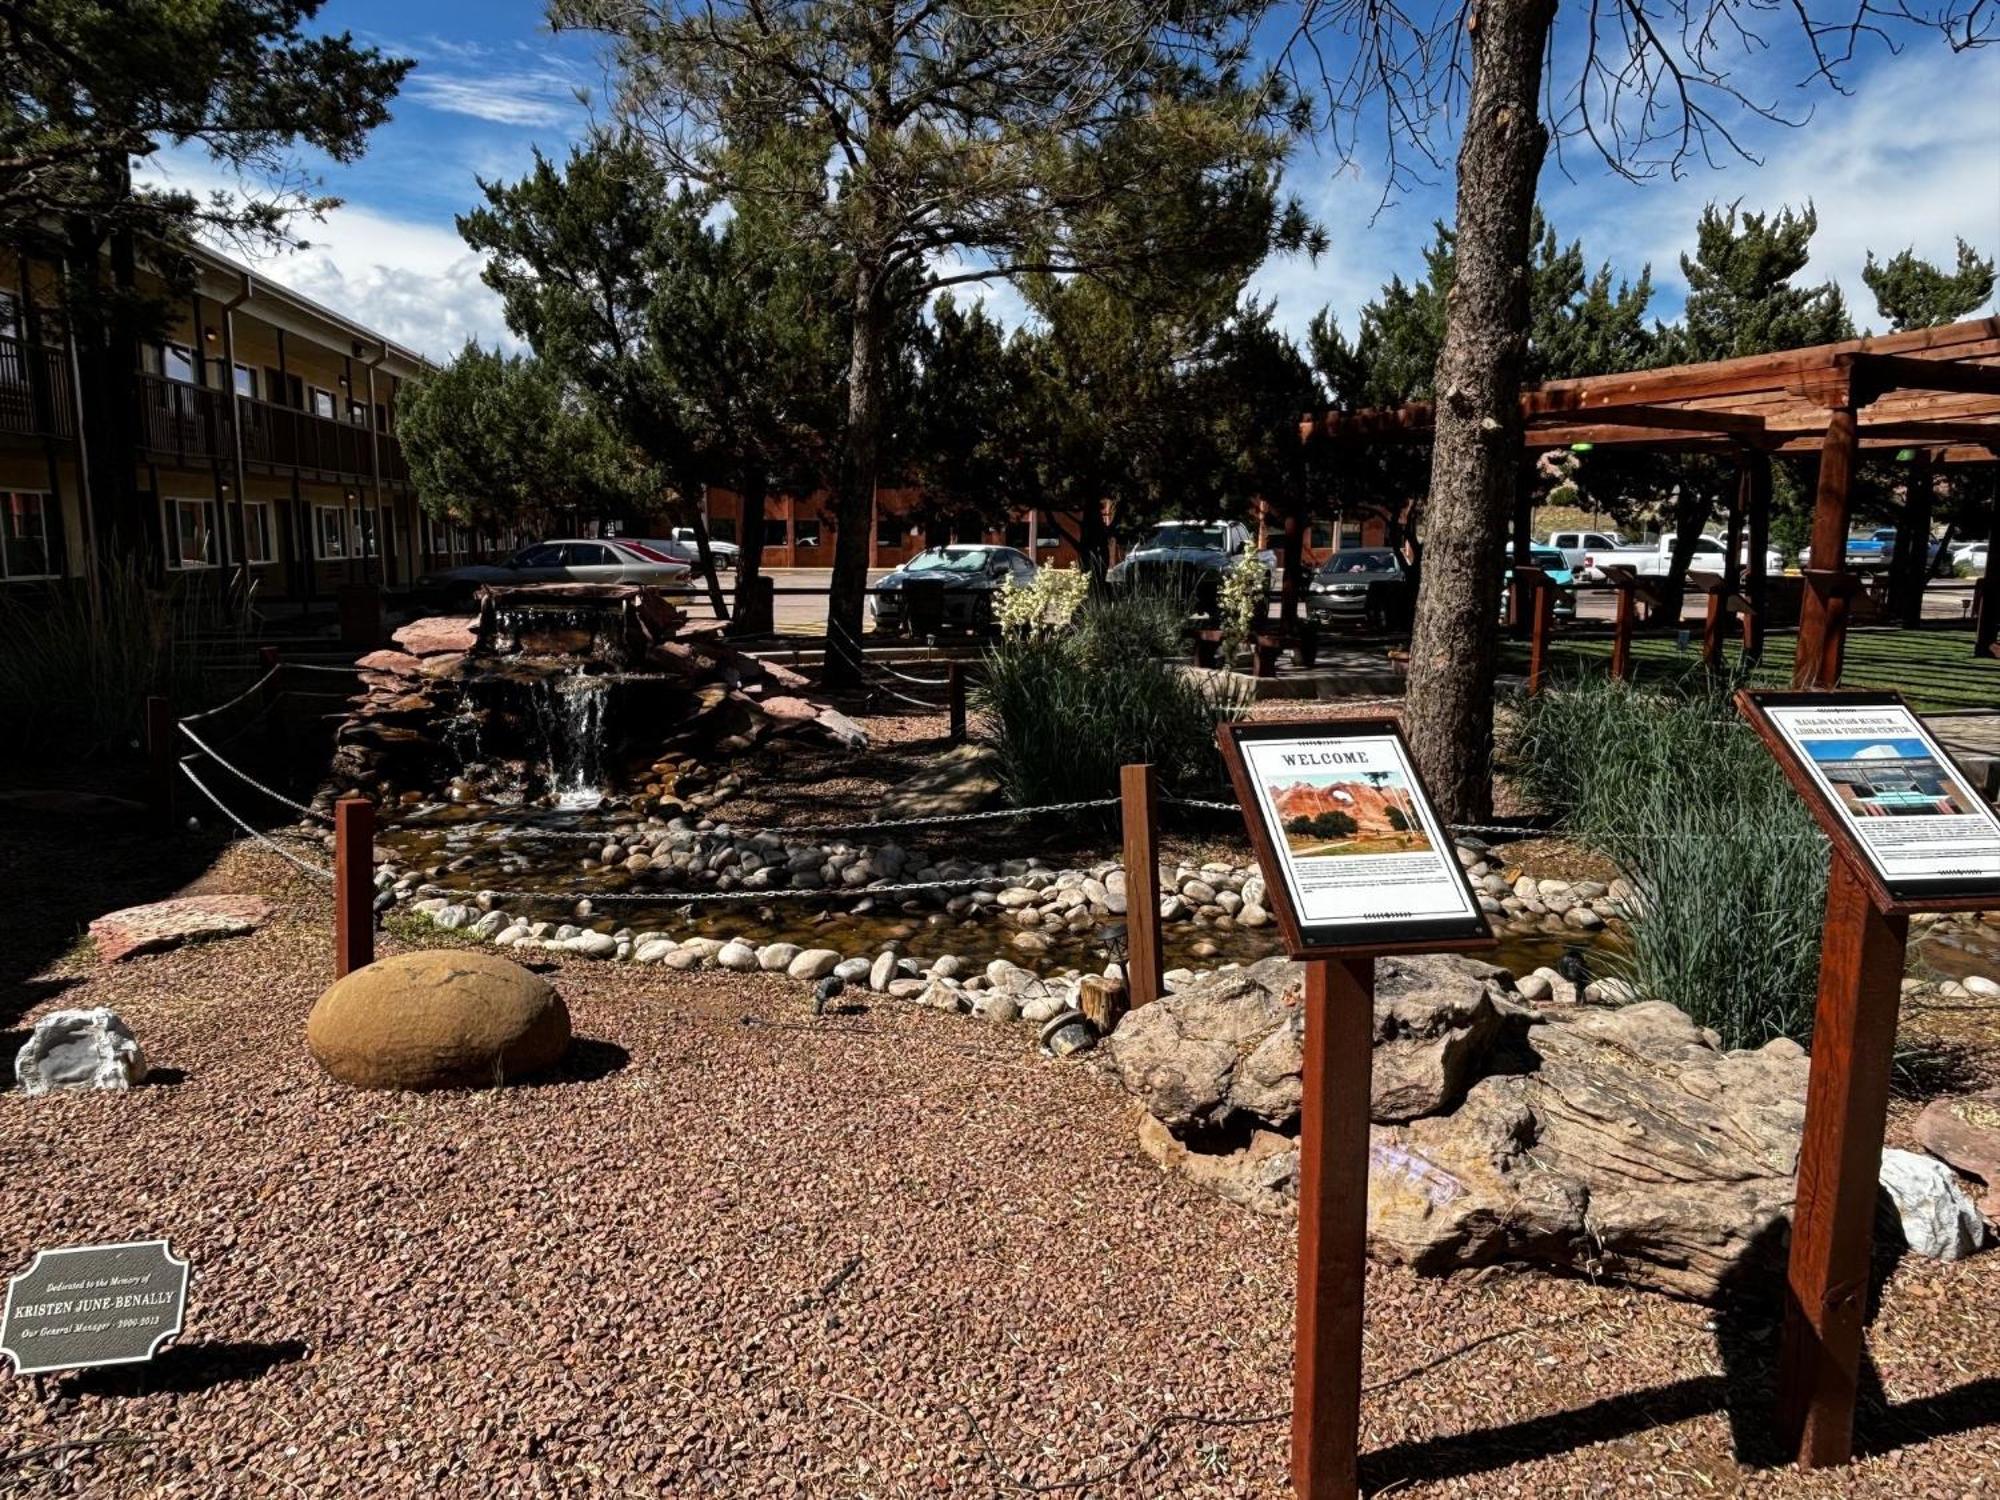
column 1356, row 864
column 1909, row 835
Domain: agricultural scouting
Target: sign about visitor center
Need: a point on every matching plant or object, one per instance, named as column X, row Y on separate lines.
column 1353, row 854
column 1878, row 782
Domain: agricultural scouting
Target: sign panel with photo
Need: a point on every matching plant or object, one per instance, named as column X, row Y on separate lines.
column 1352, row 850
column 1880, row 783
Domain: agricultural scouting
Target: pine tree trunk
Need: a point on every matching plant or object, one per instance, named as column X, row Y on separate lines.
column 1476, row 456
column 750, row 496
column 855, row 495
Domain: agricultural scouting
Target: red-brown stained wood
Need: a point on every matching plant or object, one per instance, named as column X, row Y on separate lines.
column 353, row 885
column 1138, row 791
column 1840, row 1158
column 1333, row 1227
column 1622, row 620
column 1757, row 513
column 955, row 674
column 1542, row 607
column 1823, row 615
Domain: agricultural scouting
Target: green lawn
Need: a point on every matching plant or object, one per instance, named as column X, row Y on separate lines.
column 1934, row 669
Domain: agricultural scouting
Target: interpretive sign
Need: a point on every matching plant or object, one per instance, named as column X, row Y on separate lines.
column 1879, row 784
column 1353, row 854
column 92, row 1305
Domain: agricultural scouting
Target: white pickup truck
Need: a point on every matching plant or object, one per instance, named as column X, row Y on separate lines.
column 1655, row 559
column 1577, row 545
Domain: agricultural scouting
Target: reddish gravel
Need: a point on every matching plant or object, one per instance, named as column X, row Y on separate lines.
column 737, row 1252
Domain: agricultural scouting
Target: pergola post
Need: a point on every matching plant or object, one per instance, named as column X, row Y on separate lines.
column 1986, row 615
column 1720, row 600
column 1910, row 568
column 1290, row 562
column 1520, row 607
column 1823, row 610
column 1756, row 478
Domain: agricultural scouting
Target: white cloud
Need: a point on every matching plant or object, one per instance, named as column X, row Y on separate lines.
column 537, row 99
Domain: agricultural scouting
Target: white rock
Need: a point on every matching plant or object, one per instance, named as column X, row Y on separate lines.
column 79, row 1049
column 737, row 956
column 594, row 944
column 652, row 951
column 775, row 958
column 1980, row 985
column 881, row 972
column 997, row 1006
column 1534, row 987
column 948, row 967
column 1938, row 1219
column 1252, row 914
column 852, row 970
column 814, row 963
column 683, row 959
column 1583, row 919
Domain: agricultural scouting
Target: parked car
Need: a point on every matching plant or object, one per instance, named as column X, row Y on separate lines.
column 1655, row 559
column 1576, row 545
column 1360, row 586
column 582, row 560
column 1186, row 557
column 1863, row 554
column 681, row 547
column 967, row 576
column 1552, row 562
column 1971, row 556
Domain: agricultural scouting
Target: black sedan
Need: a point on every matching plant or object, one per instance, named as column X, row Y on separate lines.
column 1361, row 586
column 948, row 588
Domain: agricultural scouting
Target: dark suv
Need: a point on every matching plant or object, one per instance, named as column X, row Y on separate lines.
column 1361, row 586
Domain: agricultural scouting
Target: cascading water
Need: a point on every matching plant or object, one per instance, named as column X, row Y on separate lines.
column 570, row 709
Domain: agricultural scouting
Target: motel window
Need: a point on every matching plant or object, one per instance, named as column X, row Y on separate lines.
column 888, row 531
column 259, row 537
column 192, row 541
column 246, row 382
column 361, row 526
column 322, row 402
column 30, row 536
column 10, row 316
column 177, row 363
column 329, row 532
column 1350, row 533
column 357, row 413
column 774, row 531
column 805, row 531
column 1319, row 535
column 722, row 529
column 1017, row 535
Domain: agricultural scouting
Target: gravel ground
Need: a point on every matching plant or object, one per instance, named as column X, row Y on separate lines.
column 736, row 1251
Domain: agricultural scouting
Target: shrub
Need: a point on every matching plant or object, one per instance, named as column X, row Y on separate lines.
column 77, row 684
column 1728, row 868
column 1050, row 602
column 1068, row 709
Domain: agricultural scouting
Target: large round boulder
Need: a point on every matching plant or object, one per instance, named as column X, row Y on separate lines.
column 439, row 1019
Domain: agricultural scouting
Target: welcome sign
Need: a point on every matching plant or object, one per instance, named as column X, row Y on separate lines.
column 1351, row 848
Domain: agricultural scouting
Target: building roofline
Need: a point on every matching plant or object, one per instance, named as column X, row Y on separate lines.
column 264, row 286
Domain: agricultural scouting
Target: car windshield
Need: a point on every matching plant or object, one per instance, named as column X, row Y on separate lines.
column 972, row 560
column 1210, row 537
column 1374, row 560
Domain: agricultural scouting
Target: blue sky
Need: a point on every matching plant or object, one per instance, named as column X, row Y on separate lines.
column 1910, row 157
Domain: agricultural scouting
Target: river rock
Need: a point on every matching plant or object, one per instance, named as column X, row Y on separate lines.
column 1936, row 1217
column 1965, row 1131
column 437, row 1019
column 852, row 970
column 79, row 1049
column 775, row 958
column 161, row 925
column 881, row 972
column 813, row 963
column 738, row 957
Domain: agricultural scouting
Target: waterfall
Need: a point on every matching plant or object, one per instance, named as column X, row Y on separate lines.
column 571, row 711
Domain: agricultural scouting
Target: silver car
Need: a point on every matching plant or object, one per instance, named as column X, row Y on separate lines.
column 582, row 560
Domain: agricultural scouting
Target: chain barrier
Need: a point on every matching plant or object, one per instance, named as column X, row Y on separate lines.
column 320, row 666
column 248, row 780
column 275, row 847
column 938, row 820
column 255, row 687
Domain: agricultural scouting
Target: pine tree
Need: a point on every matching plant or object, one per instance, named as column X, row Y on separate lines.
column 1915, row 293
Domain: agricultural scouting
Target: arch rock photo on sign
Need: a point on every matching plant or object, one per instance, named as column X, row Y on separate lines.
column 91, row 1305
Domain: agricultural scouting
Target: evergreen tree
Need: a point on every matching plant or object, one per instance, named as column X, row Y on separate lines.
column 1915, row 293
column 955, row 144
column 1741, row 297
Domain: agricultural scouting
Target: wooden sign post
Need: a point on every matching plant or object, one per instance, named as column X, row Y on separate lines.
column 1909, row 834
column 1356, row 864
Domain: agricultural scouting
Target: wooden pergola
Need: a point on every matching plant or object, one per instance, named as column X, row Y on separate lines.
column 1933, row 391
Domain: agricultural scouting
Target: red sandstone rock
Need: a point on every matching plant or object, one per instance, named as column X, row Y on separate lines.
column 168, row 924
column 434, row 637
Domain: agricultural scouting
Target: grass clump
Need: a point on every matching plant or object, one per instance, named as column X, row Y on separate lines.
column 1069, row 707
column 76, row 683
column 1728, row 869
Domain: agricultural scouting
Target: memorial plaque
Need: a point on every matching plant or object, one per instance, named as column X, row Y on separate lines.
column 1353, row 854
column 92, row 1305
column 1885, row 790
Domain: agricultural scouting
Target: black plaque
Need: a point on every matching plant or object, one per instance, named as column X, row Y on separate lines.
column 91, row 1305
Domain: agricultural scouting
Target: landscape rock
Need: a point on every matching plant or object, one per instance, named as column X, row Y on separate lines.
column 1936, row 1217
column 161, row 925
column 438, row 1019
column 813, row 963
column 966, row 779
column 1965, row 1131
column 881, row 972
column 79, row 1049
column 739, row 957
column 1261, row 1175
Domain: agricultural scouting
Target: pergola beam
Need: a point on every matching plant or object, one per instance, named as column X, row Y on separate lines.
column 1877, row 374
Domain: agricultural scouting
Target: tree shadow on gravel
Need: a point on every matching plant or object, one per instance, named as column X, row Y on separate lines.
column 186, row 1368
